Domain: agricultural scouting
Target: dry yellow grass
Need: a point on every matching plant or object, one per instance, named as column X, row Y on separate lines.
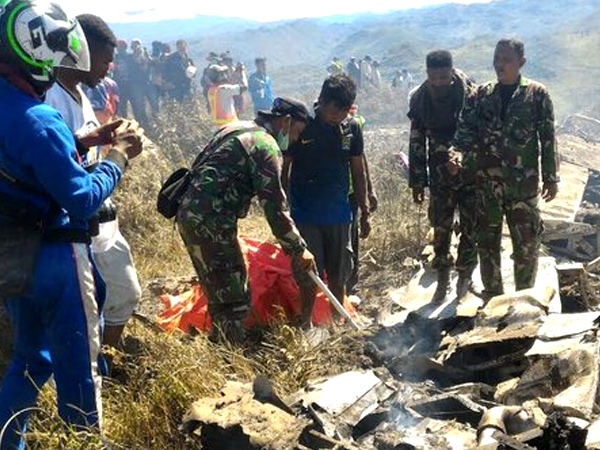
column 160, row 379
column 156, row 246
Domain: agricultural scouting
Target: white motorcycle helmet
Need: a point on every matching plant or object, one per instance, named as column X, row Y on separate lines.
column 39, row 36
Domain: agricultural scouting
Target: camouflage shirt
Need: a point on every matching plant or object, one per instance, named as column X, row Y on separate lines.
column 432, row 127
column 510, row 148
column 224, row 184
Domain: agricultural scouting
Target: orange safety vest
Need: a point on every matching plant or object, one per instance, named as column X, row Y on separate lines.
column 222, row 112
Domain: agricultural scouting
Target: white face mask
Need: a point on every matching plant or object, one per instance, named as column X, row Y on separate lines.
column 283, row 140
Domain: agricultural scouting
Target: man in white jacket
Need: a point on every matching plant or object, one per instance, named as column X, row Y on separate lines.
column 109, row 248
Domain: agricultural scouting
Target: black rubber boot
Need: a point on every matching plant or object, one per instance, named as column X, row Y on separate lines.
column 228, row 331
column 228, row 324
column 464, row 283
column 443, row 284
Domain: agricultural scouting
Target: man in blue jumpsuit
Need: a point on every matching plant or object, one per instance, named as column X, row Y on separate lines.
column 56, row 315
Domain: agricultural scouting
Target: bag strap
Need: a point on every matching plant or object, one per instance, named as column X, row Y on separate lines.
column 218, row 140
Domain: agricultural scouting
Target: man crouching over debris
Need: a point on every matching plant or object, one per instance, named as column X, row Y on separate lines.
column 505, row 127
column 434, row 112
column 243, row 160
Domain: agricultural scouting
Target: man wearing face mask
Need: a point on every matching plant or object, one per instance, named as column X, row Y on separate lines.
column 244, row 161
column 434, row 112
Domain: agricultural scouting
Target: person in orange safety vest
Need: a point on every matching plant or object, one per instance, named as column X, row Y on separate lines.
column 221, row 96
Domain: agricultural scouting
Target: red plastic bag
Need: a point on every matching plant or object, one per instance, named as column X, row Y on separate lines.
column 273, row 290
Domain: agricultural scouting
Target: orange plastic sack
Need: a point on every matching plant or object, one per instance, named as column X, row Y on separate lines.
column 273, row 288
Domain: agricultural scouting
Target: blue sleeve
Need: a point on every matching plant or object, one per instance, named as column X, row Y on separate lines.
column 78, row 192
column 269, row 90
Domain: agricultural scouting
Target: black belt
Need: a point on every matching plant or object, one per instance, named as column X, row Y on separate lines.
column 107, row 213
column 74, row 236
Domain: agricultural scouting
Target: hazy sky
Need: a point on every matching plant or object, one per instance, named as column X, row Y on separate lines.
column 269, row 10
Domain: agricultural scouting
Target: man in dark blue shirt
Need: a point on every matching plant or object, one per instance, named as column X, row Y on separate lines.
column 317, row 169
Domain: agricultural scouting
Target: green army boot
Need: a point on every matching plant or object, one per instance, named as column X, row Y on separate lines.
column 443, row 284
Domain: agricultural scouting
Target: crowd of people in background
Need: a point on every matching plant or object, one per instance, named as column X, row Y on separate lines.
column 141, row 80
column 403, row 80
column 366, row 72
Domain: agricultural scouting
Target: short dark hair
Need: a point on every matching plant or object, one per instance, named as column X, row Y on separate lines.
column 339, row 90
column 515, row 44
column 439, row 59
column 157, row 48
column 96, row 29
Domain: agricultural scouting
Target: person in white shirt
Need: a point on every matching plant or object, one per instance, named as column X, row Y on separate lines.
column 366, row 71
column 376, row 74
column 109, row 248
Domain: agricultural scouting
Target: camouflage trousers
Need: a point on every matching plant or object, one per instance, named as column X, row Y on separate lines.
column 217, row 257
column 442, row 205
column 525, row 225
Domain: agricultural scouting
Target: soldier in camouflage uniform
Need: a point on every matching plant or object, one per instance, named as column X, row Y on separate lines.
column 434, row 112
column 245, row 164
column 504, row 129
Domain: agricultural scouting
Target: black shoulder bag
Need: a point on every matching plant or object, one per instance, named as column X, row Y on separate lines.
column 176, row 185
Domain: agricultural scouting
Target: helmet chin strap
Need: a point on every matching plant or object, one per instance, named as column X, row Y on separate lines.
column 42, row 86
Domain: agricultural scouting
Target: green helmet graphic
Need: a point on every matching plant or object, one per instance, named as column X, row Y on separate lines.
column 39, row 36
